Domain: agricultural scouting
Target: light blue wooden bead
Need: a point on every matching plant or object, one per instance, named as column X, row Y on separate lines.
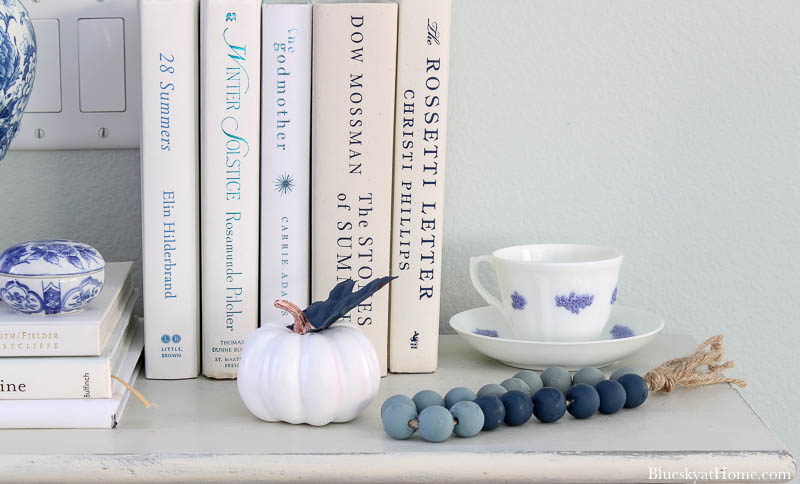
column 589, row 376
column 622, row 371
column 436, row 424
column 517, row 384
column 458, row 394
column 557, row 377
column 532, row 378
column 395, row 399
column 396, row 417
column 492, row 389
column 427, row 398
column 470, row 418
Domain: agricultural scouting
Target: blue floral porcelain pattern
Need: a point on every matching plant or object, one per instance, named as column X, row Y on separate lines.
column 17, row 68
column 486, row 332
column 518, row 301
column 614, row 296
column 575, row 302
column 77, row 297
column 71, row 257
column 621, row 331
column 20, row 297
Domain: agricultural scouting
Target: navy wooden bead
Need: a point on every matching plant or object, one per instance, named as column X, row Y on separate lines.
column 584, row 401
column 519, row 407
column 612, row 396
column 494, row 412
column 635, row 389
column 549, row 404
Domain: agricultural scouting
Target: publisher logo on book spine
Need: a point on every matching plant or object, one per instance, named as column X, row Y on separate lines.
column 415, row 340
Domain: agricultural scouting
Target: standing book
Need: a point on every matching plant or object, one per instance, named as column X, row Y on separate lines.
column 230, row 85
column 170, row 173
column 353, row 89
column 423, row 58
column 285, row 156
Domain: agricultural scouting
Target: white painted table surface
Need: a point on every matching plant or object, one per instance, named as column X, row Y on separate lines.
column 201, row 432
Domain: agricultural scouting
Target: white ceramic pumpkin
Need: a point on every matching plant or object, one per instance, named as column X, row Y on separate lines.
column 309, row 375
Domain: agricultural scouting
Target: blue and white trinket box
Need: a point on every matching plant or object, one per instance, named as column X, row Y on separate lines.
column 51, row 276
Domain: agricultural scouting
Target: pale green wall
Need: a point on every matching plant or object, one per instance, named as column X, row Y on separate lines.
column 670, row 130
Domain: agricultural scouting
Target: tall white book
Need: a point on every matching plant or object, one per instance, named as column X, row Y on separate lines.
column 352, row 119
column 170, row 175
column 285, row 156
column 230, row 85
column 423, row 58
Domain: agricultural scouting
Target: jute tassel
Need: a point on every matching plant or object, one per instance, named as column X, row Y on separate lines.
column 682, row 372
column 136, row 393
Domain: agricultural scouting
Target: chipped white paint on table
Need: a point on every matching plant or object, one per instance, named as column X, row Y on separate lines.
column 200, row 431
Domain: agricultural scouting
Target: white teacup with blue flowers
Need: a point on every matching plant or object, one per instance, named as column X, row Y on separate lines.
column 553, row 292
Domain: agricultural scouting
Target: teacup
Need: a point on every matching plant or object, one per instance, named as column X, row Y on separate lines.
column 553, row 292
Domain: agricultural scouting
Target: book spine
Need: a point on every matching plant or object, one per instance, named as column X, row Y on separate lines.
column 230, row 82
column 353, row 72
column 49, row 340
column 423, row 58
column 42, row 378
column 170, row 177
column 285, row 157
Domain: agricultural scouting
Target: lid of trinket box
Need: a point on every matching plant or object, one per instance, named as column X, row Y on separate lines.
column 50, row 258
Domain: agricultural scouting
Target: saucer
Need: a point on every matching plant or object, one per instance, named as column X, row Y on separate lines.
column 627, row 331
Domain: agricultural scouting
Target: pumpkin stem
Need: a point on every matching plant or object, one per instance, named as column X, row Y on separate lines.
column 301, row 323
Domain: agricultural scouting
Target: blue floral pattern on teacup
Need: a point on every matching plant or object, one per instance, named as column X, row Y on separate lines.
column 621, row 331
column 518, row 301
column 59, row 253
column 20, row 297
column 575, row 302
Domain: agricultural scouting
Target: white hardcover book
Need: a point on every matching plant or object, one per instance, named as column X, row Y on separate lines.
column 230, row 82
column 81, row 334
column 285, row 156
column 170, row 175
column 67, row 377
column 423, row 58
column 351, row 162
column 97, row 413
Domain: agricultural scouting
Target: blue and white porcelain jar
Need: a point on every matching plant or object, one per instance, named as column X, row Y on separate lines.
column 51, row 276
column 17, row 67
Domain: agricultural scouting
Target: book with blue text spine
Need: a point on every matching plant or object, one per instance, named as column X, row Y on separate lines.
column 423, row 58
column 230, row 86
column 285, row 156
column 352, row 103
column 170, row 154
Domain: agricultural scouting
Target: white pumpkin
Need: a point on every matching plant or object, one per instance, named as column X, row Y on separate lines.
column 314, row 378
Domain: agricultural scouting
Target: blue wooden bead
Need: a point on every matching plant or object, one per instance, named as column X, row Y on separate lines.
column 435, row 424
column 494, row 412
column 427, row 398
column 589, row 376
column 492, row 389
column 458, row 394
column 470, row 418
column 612, row 396
column 532, row 378
column 621, row 371
column 557, row 377
column 549, row 404
column 519, row 407
column 395, row 420
column 584, row 401
column 515, row 384
column 635, row 389
column 395, row 399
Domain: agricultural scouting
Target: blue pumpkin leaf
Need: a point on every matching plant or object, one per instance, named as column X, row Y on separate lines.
column 341, row 300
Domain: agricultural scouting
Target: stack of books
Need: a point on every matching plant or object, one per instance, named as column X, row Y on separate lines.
column 56, row 371
column 310, row 141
